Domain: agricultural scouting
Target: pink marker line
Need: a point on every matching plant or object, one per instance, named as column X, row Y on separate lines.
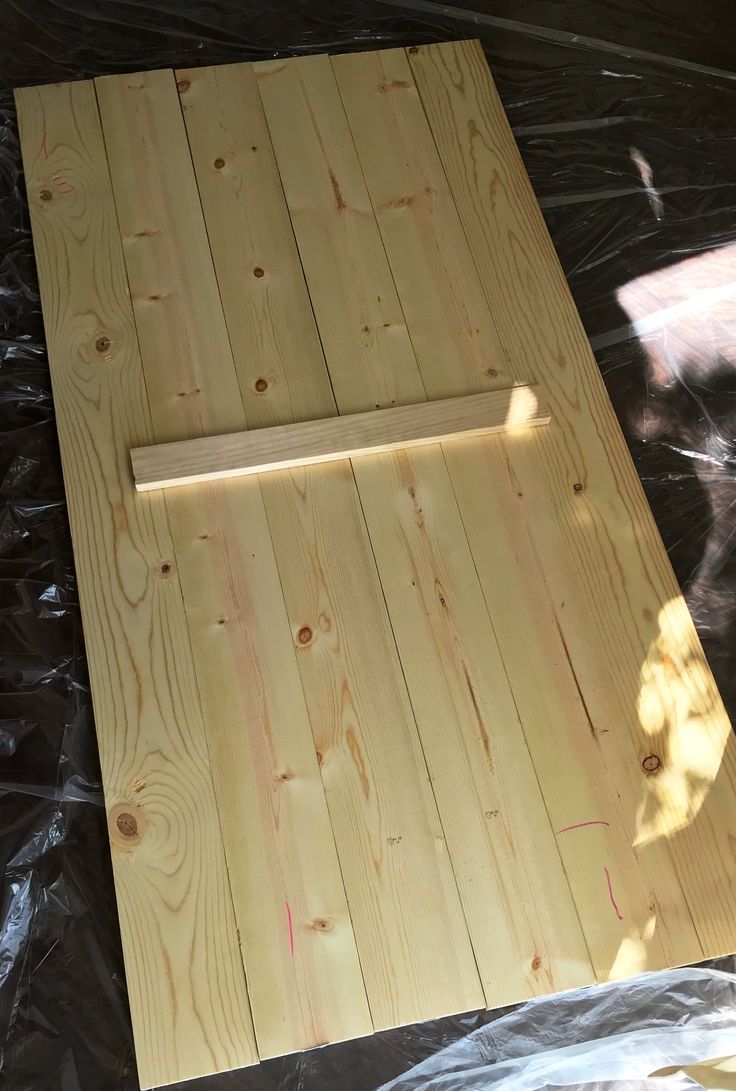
column 291, row 928
column 610, row 893
column 67, row 188
column 577, row 825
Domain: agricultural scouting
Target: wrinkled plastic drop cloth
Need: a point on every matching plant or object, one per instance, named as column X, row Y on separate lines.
column 625, row 114
column 615, row 1035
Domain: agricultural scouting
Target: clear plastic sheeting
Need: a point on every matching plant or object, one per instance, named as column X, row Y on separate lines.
column 612, row 1036
column 625, row 114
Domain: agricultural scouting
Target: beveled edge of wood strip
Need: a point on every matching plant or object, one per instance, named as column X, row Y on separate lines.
column 239, row 454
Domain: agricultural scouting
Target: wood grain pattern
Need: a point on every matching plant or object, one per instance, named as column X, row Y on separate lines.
column 503, row 851
column 436, row 280
column 286, row 446
column 379, row 740
column 417, row 216
column 303, row 973
column 394, row 859
column 398, row 877
column 186, row 985
column 620, row 617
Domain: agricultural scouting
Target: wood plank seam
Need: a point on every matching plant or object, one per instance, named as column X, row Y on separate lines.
column 394, row 208
column 304, row 976
column 603, row 556
column 200, row 368
column 405, row 201
column 167, row 517
column 333, row 190
column 176, row 551
column 286, row 446
column 327, row 498
column 189, row 1016
column 437, row 719
column 454, row 457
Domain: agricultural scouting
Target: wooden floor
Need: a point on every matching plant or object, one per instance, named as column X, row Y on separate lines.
column 387, row 740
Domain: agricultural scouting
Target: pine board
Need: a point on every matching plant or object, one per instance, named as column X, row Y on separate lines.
column 186, row 984
column 333, row 439
column 397, row 872
column 380, row 740
column 476, row 753
column 621, row 618
column 484, row 478
column 285, row 876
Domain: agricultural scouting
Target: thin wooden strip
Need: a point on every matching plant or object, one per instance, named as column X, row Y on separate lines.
column 421, row 229
column 522, row 920
column 304, row 977
column 286, row 446
column 411, row 935
column 184, row 972
column 652, row 702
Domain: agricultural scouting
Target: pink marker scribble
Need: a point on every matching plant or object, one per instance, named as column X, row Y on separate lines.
column 64, row 187
column 45, row 145
column 577, row 825
column 610, row 893
column 291, row 927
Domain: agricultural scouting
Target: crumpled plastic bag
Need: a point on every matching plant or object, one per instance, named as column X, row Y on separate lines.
column 615, row 1036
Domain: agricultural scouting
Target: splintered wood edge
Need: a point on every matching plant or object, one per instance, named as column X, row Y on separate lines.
column 238, row 454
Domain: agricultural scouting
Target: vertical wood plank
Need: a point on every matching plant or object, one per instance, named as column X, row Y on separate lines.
column 303, row 973
column 400, row 885
column 620, row 614
column 443, row 302
column 279, row 586
column 421, row 229
column 185, row 977
column 318, row 553
column 522, row 920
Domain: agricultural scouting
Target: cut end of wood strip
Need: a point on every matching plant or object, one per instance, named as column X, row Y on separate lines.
column 239, row 454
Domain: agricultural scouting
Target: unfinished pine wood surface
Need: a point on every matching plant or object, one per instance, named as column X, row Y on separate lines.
column 394, row 860
column 620, row 614
column 382, row 740
column 503, row 850
column 479, row 482
column 286, row 446
column 302, row 968
column 186, row 985
column 420, row 229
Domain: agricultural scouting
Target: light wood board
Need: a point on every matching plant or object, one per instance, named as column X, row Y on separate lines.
column 476, row 753
column 310, row 443
column 387, row 740
column 395, row 863
column 186, row 982
column 304, row 978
